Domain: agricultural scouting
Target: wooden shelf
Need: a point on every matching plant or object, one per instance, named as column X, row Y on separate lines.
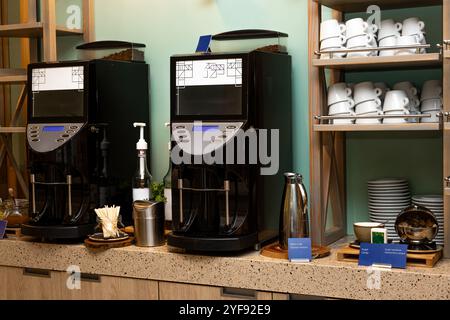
column 361, row 5
column 409, row 61
column 33, row 30
column 378, row 127
column 11, row 76
column 446, row 191
column 13, row 129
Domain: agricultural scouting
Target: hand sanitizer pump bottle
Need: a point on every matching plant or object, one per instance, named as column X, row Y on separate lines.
column 142, row 179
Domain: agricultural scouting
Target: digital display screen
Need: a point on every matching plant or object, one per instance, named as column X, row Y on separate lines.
column 205, row 128
column 53, row 129
column 209, row 100
column 58, row 104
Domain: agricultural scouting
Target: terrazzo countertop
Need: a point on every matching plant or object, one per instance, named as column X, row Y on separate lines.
column 324, row 277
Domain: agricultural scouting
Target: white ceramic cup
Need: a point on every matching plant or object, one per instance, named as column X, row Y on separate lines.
column 431, row 89
column 389, row 28
column 397, row 113
column 390, row 41
column 383, row 87
column 344, row 121
column 338, row 92
column 365, row 91
column 364, row 40
column 330, row 29
column 406, row 86
column 370, row 121
column 406, row 41
column 434, row 116
column 340, row 55
column 333, row 42
column 395, row 100
column 341, row 107
column 357, row 27
column 412, row 26
column 368, row 106
column 431, row 104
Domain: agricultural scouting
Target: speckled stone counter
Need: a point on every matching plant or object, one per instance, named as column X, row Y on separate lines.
column 323, row 277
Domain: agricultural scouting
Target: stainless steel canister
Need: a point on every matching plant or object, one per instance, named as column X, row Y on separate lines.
column 148, row 223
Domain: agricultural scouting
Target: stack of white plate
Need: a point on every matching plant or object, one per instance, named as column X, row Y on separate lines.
column 436, row 204
column 387, row 199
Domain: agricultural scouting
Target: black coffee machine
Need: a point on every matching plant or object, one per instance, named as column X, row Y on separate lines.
column 232, row 206
column 81, row 146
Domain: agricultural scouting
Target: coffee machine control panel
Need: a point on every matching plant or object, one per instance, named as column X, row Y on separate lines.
column 198, row 138
column 46, row 137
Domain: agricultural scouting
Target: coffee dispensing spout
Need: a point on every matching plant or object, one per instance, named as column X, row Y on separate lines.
column 141, row 144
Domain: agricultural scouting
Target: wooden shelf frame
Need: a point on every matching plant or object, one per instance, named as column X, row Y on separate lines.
column 368, row 63
column 328, row 142
column 377, row 127
column 361, row 5
column 33, row 30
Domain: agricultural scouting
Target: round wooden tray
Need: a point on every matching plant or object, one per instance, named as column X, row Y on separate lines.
column 108, row 245
column 275, row 251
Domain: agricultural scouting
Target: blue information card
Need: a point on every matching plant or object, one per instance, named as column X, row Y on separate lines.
column 393, row 255
column 203, row 44
column 3, row 224
column 299, row 249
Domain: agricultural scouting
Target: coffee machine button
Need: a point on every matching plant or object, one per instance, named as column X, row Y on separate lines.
column 34, row 128
column 35, row 140
column 180, row 127
column 74, row 127
column 231, row 127
column 70, row 131
column 60, row 140
column 33, row 132
column 65, row 136
column 34, row 136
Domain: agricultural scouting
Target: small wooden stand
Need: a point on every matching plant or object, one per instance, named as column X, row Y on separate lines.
column 14, row 233
column 97, row 245
column 426, row 260
column 275, row 251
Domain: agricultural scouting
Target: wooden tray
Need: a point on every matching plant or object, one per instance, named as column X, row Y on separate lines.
column 13, row 233
column 108, row 245
column 426, row 260
column 275, row 251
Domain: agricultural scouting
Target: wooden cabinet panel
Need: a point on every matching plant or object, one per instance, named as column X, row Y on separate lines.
column 28, row 284
column 109, row 288
column 181, row 291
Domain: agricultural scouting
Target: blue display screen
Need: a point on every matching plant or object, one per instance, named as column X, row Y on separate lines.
column 53, row 129
column 205, row 128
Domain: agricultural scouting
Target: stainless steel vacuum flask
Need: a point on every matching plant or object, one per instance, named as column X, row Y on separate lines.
column 294, row 222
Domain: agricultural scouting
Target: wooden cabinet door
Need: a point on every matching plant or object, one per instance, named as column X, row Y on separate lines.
column 181, row 291
column 94, row 287
column 28, row 284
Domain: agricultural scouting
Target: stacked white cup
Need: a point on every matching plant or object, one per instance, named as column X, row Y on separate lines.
column 411, row 92
column 431, row 100
column 387, row 36
column 340, row 102
column 396, row 103
column 367, row 102
column 413, row 27
column 360, row 34
column 332, row 38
